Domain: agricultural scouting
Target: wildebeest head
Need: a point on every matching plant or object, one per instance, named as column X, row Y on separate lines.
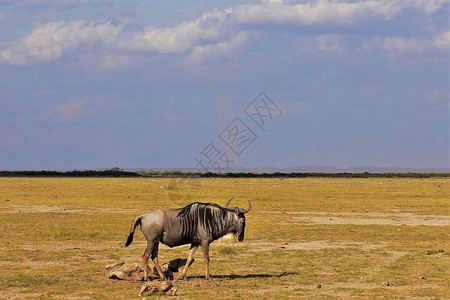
column 239, row 217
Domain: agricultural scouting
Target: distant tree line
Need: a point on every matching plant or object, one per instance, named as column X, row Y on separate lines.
column 117, row 172
column 327, row 175
column 74, row 173
column 173, row 173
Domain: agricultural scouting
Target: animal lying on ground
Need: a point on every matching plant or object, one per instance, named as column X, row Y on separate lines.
column 198, row 224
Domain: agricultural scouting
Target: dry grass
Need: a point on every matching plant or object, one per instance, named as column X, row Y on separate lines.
column 348, row 235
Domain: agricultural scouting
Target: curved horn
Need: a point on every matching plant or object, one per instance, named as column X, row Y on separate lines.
column 244, row 211
column 226, row 205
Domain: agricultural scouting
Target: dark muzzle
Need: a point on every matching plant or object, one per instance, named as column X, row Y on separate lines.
column 241, row 236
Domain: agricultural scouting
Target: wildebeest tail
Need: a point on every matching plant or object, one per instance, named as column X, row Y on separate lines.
column 133, row 227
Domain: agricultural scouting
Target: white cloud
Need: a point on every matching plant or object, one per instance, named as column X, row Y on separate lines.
column 273, row 1
column 427, row 6
column 215, row 31
column 68, row 110
column 74, row 108
column 330, row 43
column 200, row 52
column 180, row 38
column 112, row 61
column 442, row 41
column 322, row 11
column 49, row 41
column 401, row 44
column 28, row 3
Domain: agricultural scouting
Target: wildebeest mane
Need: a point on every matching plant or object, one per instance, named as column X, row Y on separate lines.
column 212, row 218
column 187, row 209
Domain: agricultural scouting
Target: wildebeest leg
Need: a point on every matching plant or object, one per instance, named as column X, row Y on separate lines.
column 156, row 262
column 192, row 251
column 145, row 257
column 205, row 248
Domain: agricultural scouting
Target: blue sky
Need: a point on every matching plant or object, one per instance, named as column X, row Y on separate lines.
column 149, row 84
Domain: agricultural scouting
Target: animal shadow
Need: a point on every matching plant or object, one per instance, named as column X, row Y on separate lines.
column 236, row 276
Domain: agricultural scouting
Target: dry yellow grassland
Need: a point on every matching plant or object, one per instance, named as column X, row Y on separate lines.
column 305, row 238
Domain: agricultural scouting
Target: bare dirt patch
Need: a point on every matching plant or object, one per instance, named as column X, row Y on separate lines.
column 66, row 209
column 398, row 219
column 32, row 263
column 15, row 294
column 314, row 245
column 63, row 247
column 374, row 285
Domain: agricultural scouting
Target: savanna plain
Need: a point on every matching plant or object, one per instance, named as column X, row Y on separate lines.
column 323, row 238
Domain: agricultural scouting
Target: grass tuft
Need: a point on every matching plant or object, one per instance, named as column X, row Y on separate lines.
column 227, row 251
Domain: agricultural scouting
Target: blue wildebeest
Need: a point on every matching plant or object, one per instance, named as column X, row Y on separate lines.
column 196, row 224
